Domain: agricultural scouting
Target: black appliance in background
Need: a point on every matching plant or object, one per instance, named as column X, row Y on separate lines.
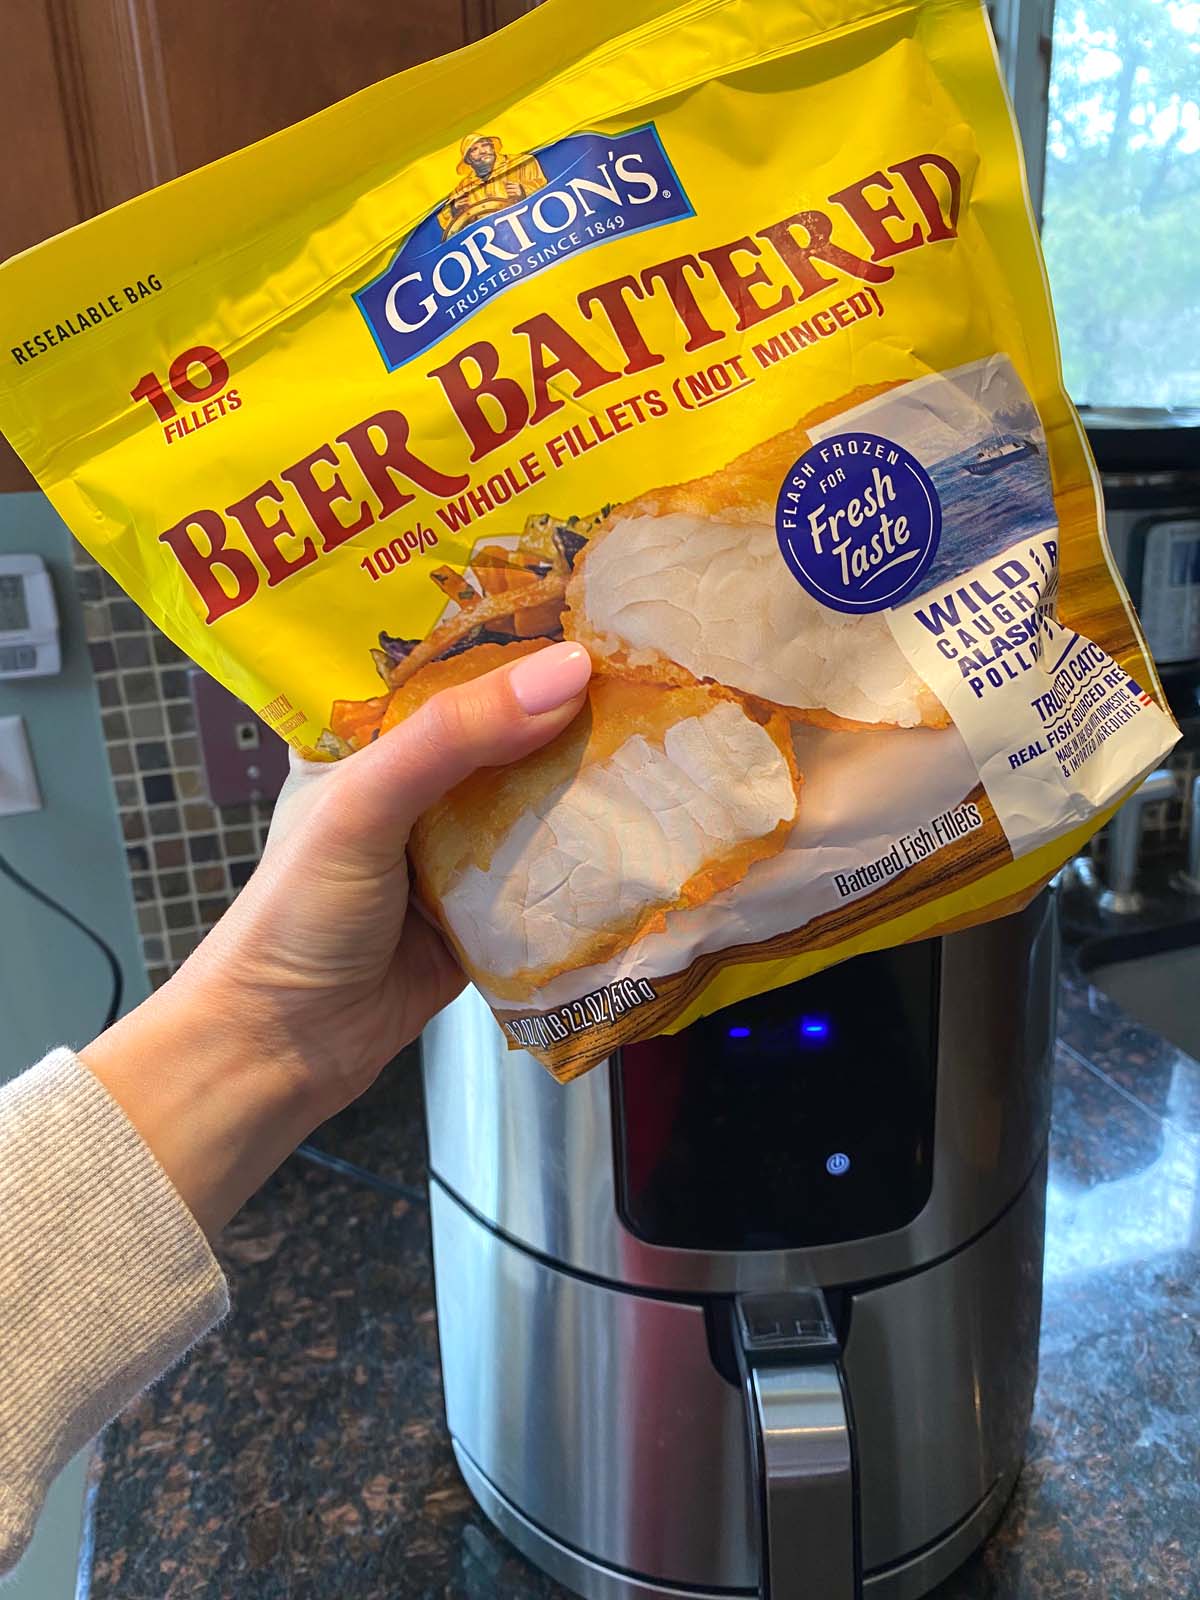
column 1149, row 466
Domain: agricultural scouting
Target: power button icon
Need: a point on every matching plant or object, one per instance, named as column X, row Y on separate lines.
column 837, row 1164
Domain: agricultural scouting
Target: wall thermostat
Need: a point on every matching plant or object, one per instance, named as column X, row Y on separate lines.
column 29, row 645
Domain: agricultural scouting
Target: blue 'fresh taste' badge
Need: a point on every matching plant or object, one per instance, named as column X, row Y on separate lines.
column 858, row 521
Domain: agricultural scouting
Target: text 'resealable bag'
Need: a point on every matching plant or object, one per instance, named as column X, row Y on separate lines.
column 712, row 335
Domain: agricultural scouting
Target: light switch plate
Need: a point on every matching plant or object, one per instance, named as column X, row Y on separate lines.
column 18, row 777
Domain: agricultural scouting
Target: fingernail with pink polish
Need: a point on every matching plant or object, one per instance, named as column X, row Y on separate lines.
column 550, row 677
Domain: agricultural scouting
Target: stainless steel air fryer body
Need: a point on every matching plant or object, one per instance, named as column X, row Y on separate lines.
column 754, row 1311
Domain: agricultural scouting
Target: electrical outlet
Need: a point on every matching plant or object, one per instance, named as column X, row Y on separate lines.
column 243, row 759
column 18, row 777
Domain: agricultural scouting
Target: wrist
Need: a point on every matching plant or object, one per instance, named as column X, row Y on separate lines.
column 218, row 1113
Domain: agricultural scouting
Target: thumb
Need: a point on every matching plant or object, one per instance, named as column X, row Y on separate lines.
column 488, row 722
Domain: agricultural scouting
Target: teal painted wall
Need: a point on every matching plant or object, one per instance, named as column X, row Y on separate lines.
column 50, row 1568
column 54, row 984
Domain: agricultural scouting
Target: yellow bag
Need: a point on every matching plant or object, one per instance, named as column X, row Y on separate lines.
column 712, row 334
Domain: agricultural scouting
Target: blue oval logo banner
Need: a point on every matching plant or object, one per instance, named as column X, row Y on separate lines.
column 858, row 522
column 510, row 216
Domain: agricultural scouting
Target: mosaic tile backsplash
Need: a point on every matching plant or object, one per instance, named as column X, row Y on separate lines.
column 187, row 858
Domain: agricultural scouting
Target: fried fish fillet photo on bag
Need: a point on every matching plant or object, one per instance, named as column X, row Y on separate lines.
column 690, row 577
column 655, row 799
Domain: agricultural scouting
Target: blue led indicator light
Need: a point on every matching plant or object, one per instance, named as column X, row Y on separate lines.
column 739, row 1033
column 814, row 1028
column 837, row 1164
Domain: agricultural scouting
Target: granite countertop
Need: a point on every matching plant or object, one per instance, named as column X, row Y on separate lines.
column 300, row 1453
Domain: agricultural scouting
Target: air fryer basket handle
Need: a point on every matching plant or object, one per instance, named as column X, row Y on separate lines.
column 802, row 1442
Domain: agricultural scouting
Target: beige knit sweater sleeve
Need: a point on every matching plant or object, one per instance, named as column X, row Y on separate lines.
column 105, row 1278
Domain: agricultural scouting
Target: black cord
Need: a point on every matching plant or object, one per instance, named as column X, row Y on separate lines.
column 350, row 1169
column 118, row 977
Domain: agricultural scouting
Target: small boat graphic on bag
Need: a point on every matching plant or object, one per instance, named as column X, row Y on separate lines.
column 1003, row 453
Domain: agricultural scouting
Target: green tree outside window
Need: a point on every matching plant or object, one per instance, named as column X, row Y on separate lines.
column 1122, row 199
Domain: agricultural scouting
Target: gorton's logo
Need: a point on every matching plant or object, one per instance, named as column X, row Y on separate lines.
column 507, row 218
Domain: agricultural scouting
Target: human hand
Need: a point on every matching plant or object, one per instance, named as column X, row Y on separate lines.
column 322, row 969
column 323, row 948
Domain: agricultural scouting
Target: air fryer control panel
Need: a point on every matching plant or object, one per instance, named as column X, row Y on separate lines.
column 800, row 1118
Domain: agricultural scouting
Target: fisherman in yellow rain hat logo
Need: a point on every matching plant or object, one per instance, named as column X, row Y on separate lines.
column 490, row 181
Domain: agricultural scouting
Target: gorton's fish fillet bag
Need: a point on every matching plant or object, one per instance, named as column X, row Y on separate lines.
column 711, row 334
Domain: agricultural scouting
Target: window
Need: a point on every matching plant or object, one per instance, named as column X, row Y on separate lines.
column 1122, row 199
